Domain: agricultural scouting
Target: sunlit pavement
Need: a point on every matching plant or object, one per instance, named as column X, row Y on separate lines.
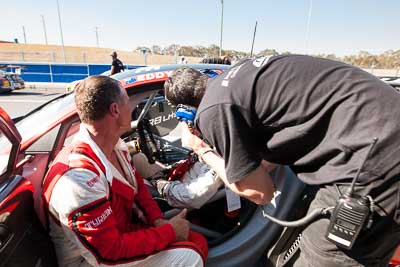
column 20, row 102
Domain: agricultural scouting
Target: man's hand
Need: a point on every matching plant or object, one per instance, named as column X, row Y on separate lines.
column 191, row 140
column 160, row 222
column 180, row 225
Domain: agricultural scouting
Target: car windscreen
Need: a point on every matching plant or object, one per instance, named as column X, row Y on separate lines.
column 42, row 120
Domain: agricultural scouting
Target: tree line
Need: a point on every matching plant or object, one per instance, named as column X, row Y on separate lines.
column 387, row 60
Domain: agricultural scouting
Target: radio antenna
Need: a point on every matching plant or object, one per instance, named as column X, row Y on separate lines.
column 254, row 37
column 351, row 189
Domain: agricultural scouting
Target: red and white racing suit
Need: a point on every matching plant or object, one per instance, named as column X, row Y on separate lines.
column 92, row 206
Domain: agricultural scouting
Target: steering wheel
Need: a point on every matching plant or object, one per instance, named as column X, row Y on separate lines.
column 147, row 142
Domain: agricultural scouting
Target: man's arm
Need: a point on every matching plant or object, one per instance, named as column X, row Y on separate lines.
column 257, row 186
column 94, row 222
column 113, row 71
column 154, row 215
column 143, row 166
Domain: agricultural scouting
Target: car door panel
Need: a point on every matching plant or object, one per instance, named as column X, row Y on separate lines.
column 35, row 168
column 23, row 239
column 34, row 172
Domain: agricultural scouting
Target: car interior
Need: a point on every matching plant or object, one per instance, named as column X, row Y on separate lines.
column 212, row 220
column 24, row 240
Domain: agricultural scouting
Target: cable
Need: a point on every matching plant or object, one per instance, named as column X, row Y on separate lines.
column 303, row 221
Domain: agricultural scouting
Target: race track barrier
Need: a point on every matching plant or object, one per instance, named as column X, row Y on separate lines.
column 43, row 72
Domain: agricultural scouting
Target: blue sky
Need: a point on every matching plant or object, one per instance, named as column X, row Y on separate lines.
column 342, row 27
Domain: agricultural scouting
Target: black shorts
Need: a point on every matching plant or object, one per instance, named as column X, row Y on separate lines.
column 373, row 247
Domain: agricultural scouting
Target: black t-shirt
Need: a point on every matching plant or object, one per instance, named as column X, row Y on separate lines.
column 118, row 66
column 316, row 115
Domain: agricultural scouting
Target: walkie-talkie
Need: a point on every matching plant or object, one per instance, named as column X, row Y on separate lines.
column 350, row 214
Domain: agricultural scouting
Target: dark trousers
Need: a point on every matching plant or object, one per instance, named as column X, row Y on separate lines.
column 373, row 248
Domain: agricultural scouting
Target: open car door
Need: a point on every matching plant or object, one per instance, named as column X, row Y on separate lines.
column 23, row 240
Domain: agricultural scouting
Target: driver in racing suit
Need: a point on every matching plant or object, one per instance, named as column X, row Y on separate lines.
column 100, row 211
column 188, row 184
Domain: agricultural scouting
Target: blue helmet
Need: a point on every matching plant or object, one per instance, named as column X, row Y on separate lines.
column 185, row 113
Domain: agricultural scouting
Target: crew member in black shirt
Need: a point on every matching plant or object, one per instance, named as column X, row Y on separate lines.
column 116, row 65
column 319, row 117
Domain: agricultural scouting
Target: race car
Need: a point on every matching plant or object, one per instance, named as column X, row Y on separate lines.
column 29, row 144
column 14, row 78
column 5, row 84
column 391, row 80
column 16, row 81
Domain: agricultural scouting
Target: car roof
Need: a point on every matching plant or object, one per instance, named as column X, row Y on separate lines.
column 157, row 75
column 168, row 67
